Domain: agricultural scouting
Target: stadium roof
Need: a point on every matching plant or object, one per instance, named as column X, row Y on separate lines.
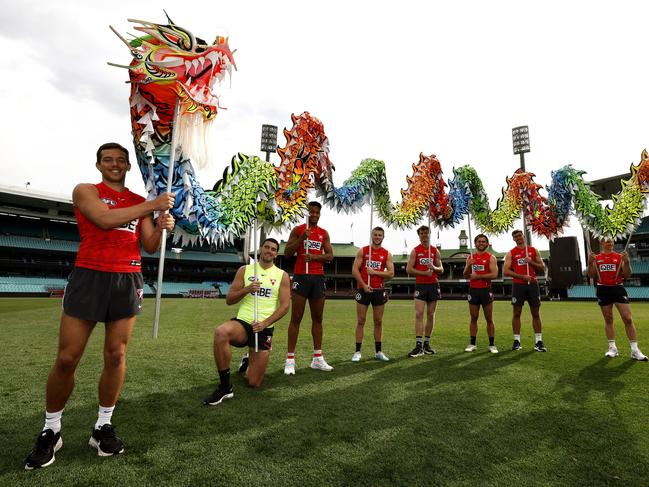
column 23, row 201
column 607, row 187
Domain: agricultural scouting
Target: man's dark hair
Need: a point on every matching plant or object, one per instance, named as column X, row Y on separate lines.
column 108, row 146
column 516, row 231
column 480, row 235
column 315, row 203
column 423, row 228
column 378, row 229
column 271, row 239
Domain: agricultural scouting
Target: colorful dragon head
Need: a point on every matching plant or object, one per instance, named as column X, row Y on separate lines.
column 171, row 66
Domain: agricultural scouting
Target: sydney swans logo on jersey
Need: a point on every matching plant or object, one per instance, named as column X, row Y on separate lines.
column 129, row 226
column 312, row 244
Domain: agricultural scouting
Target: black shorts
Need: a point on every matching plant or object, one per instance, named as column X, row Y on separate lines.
column 309, row 286
column 103, row 296
column 264, row 341
column 611, row 294
column 480, row 295
column 378, row 297
column 428, row 292
column 526, row 292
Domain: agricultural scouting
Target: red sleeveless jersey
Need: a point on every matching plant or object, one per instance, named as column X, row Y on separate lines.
column 519, row 266
column 480, row 266
column 609, row 268
column 422, row 256
column 315, row 241
column 378, row 262
column 114, row 250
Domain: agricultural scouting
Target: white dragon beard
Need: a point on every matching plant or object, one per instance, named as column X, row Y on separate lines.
column 194, row 138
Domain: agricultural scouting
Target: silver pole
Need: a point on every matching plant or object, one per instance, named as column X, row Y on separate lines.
column 369, row 257
column 256, row 308
column 163, row 243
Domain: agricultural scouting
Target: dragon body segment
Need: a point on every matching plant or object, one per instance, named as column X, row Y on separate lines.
column 173, row 75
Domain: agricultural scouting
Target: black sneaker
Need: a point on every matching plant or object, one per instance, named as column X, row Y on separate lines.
column 219, row 395
column 243, row 364
column 106, row 441
column 42, row 455
column 416, row 352
column 516, row 345
column 539, row 347
column 428, row 350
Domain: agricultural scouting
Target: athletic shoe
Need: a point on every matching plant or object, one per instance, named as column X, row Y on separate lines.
column 356, row 357
column 539, row 347
column 219, row 395
column 381, row 357
column 612, row 352
column 470, row 348
column 516, row 345
column 638, row 355
column 319, row 363
column 243, row 364
column 42, row 455
column 416, row 352
column 289, row 366
column 493, row 349
column 106, row 441
column 428, row 350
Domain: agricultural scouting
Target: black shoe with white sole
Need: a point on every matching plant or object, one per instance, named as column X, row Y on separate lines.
column 42, row 455
column 106, row 441
column 219, row 395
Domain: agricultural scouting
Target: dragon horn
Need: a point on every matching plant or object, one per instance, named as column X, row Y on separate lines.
column 120, row 37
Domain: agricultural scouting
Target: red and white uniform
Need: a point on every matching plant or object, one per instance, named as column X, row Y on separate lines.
column 519, row 266
column 423, row 256
column 480, row 266
column 315, row 241
column 378, row 262
column 114, row 250
column 609, row 268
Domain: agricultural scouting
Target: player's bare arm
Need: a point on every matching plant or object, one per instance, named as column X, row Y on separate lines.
column 237, row 290
column 86, row 198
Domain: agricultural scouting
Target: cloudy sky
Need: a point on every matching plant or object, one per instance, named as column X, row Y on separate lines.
column 388, row 80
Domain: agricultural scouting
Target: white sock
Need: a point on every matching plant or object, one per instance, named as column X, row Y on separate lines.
column 634, row 346
column 537, row 337
column 317, row 353
column 611, row 344
column 103, row 416
column 53, row 421
column 517, row 337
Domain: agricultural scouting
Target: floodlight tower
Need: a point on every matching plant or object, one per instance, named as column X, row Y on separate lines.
column 521, row 143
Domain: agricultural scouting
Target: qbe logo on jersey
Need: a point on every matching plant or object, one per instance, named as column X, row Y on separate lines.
column 312, row 244
column 478, row 267
column 129, row 226
column 607, row 267
column 521, row 261
column 374, row 264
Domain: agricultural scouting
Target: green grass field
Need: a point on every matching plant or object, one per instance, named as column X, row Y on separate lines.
column 568, row 417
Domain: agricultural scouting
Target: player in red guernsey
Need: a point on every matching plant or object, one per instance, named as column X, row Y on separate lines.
column 313, row 248
column 376, row 262
column 106, row 285
column 481, row 267
column 425, row 264
column 610, row 268
column 522, row 264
